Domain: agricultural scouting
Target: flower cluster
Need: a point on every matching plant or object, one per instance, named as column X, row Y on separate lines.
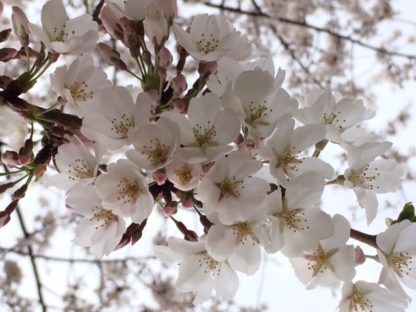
column 235, row 147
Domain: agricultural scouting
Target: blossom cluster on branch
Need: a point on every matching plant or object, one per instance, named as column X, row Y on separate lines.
column 235, row 148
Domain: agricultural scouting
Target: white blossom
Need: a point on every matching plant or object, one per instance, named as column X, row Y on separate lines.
column 80, row 82
column 100, row 228
column 185, row 176
column 125, row 191
column 369, row 297
column 367, row 176
column 211, row 37
column 258, row 99
column 285, row 151
column 208, row 130
column 63, row 35
column 199, row 272
column 328, row 262
column 230, row 190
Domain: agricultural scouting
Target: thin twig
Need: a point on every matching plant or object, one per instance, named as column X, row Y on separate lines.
column 313, row 27
column 74, row 260
column 32, row 261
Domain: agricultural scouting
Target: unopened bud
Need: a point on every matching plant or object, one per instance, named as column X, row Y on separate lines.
column 10, row 159
column 5, row 34
column 111, row 22
column 26, row 153
column 207, row 68
column 359, row 255
column 160, row 176
column 165, row 57
column 179, row 84
column 20, row 25
column 7, row 54
column 179, row 105
column 20, row 192
column 110, row 56
column 170, row 209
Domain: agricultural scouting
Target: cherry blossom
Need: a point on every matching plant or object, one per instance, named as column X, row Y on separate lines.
column 259, row 101
column 199, row 272
column 79, row 83
column 154, row 144
column 100, row 228
column 208, row 130
column 230, row 190
column 63, row 35
column 367, row 176
column 183, row 175
column 397, row 254
column 211, row 37
column 296, row 222
column 338, row 116
column 284, row 149
column 125, row 191
column 369, row 297
column 330, row 261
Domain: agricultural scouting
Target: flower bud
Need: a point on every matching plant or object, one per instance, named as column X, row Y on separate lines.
column 179, row 84
column 110, row 56
column 20, row 192
column 20, row 25
column 10, row 159
column 111, row 22
column 7, row 54
column 207, row 68
column 179, row 105
column 170, row 209
column 160, row 176
column 164, row 57
column 359, row 255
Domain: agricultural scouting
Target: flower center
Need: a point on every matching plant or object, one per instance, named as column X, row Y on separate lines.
column 288, row 161
column 128, row 192
column 293, row 219
column 364, row 177
column 401, row 263
column 104, row 215
column 207, row 44
column 156, row 152
column 229, row 188
column 121, row 126
column 318, row 261
column 79, row 170
column 209, row 264
column 79, row 92
column 204, row 137
column 255, row 114
column 333, row 118
column 184, row 174
column 359, row 303
column 242, row 231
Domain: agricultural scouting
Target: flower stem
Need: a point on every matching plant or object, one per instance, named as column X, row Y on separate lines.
column 364, row 238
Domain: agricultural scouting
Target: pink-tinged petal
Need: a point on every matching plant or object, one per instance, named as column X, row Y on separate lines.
column 184, row 39
column 306, row 136
column 386, row 241
column 367, row 200
column 40, row 34
column 54, row 18
column 191, row 274
column 246, row 258
column 79, row 25
column 227, row 126
column 343, row 263
column 226, row 283
column 220, row 242
column 404, row 244
column 253, row 85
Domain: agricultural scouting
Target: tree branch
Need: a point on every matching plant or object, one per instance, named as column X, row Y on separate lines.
column 313, row 27
column 32, row 261
column 74, row 260
column 364, row 238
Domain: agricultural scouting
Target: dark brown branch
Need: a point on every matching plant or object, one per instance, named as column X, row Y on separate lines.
column 74, row 260
column 364, row 238
column 313, row 27
column 33, row 262
column 97, row 11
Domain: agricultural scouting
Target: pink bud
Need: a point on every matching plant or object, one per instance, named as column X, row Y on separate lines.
column 359, row 255
column 169, row 7
column 110, row 56
column 10, row 159
column 207, row 68
column 179, row 84
column 156, row 26
column 179, row 105
column 160, row 176
column 164, row 57
column 187, row 201
column 7, row 54
column 170, row 209
column 20, row 25
column 20, row 192
column 111, row 22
